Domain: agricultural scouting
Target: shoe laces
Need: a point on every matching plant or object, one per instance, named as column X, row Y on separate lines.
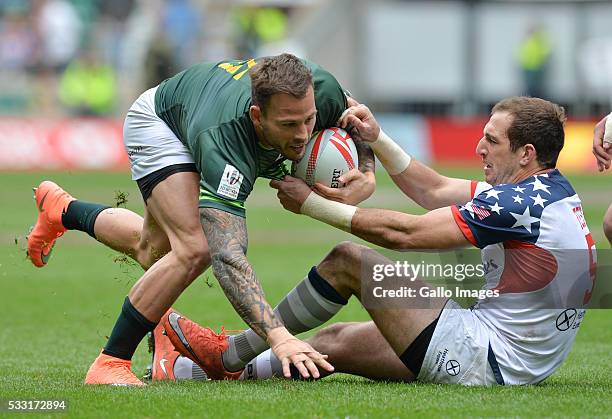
column 217, row 340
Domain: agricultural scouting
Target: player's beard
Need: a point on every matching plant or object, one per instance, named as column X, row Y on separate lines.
column 500, row 175
column 285, row 149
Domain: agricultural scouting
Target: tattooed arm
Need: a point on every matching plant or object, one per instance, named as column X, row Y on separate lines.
column 366, row 155
column 227, row 238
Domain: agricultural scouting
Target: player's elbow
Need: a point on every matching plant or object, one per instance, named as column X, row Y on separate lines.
column 430, row 201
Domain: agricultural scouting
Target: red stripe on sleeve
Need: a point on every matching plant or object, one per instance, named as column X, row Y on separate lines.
column 463, row 225
column 473, row 186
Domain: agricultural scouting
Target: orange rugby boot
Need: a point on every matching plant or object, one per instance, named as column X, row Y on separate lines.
column 164, row 355
column 51, row 201
column 200, row 344
column 108, row 370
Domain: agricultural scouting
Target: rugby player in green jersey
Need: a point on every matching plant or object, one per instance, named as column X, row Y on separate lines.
column 196, row 143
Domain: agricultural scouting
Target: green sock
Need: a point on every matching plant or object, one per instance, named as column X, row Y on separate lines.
column 130, row 328
column 82, row 216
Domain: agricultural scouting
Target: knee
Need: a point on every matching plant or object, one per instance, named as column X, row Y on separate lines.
column 348, row 251
column 329, row 339
column 342, row 262
column 147, row 253
column 194, row 255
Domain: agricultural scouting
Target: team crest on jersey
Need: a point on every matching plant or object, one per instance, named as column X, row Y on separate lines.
column 230, row 183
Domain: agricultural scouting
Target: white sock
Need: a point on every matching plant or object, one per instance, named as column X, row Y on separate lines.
column 264, row 366
column 186, row 369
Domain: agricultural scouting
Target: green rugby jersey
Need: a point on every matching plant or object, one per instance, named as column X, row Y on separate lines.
column 207, row 106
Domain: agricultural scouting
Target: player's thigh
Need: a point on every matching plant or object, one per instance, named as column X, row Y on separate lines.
column 166, row 175
column 174, row 206
column 359, row 348
column 399, row 320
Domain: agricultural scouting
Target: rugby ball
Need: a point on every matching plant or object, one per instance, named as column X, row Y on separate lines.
column 329, row 153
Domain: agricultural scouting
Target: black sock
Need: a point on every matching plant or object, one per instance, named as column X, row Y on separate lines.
column 324, row 288
column 82, row 216
column 130, row 328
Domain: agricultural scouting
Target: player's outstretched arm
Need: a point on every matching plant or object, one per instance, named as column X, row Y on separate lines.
column 227, row 239
column 400, row 231
column 419, row 182
column 602, row 143
column 391, row 229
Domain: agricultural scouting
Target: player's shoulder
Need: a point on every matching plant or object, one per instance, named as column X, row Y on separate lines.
column 535, row 192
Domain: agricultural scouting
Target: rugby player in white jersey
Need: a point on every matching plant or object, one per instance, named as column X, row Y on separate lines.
column 537, row 249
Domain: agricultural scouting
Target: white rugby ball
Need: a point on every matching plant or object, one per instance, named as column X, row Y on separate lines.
column 329, row 153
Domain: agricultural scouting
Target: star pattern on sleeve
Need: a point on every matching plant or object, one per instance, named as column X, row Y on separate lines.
column 493, row 192
column 539, row 186
column 524, row 220
column 496, row 208
column 538, row 200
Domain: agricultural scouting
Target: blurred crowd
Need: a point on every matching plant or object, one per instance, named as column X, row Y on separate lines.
column 93, row 57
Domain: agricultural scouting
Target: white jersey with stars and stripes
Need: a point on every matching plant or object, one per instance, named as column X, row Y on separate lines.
column 538, row 254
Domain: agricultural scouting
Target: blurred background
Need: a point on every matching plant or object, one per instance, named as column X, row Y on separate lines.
column 430, row 70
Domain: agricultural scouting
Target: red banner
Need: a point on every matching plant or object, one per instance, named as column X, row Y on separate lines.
column 96, row 144
column 453, row 141
column 85, row 143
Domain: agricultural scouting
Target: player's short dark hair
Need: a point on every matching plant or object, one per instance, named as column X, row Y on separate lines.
column 284, row 73
column 535, row 121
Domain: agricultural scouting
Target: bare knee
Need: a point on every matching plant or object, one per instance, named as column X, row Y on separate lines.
column 194, row 256
column 148, row 252
column 341, row 266
column 329, row 340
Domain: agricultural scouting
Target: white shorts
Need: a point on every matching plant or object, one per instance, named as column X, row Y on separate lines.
column 149, row 142
column 459, row 351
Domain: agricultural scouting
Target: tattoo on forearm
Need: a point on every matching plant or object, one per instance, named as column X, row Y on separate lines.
column 227, row 238
column 365, row 154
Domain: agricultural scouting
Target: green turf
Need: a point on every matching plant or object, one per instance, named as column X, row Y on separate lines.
column 55, row 321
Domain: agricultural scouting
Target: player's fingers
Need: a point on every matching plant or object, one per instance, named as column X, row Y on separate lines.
column 299, row 364
column 322, row 363
column 351, row 101
column 326, row 190
column 320, row 359
column 332, row 194
column 275, row 184
column 286, row 370
column 352, row 117
column 312, row 368
column 356, row 122
column 602, row 160
column 349, row 176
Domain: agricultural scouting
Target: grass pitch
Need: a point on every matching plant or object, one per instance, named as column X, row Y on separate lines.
column 56, row 319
